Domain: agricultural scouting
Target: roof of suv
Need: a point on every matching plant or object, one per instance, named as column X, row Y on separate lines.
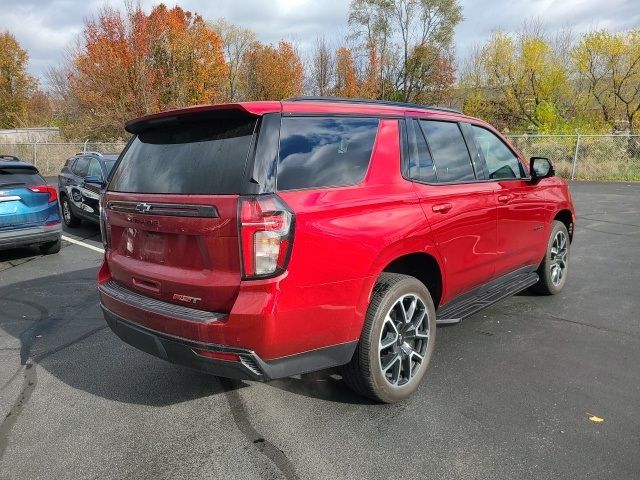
column 325, row 105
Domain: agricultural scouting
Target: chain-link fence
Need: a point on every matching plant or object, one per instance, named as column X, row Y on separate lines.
column 586, row 157
column 579, row 157
column 50, row 157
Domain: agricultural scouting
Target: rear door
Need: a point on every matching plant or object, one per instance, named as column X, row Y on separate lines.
column 171, row 210
column 21, row 207
column 521, row 233
column 460, row 209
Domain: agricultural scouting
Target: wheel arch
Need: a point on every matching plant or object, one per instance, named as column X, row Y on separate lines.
column 565, row 216
column 421, row 263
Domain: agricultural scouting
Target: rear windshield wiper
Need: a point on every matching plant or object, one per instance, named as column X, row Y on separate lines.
column 11, row 184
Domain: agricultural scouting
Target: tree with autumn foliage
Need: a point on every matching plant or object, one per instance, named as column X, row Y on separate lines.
column 271, row 73
column 347, row 84
column 408, row 47
column 132, row 63
column 16, row 85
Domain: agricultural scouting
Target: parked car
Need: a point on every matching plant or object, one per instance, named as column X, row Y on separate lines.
column 265, row 239
column 29, row 212
column 81, row 181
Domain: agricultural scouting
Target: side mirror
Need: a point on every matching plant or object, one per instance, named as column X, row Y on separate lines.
column 541, row 167
column 94, row 179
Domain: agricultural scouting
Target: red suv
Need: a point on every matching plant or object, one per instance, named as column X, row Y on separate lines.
column 265, row 239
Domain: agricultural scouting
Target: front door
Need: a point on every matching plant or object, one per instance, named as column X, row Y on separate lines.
column 521, row 204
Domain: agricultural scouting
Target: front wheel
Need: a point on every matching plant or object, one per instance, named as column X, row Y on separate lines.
column 397, row 340
column 555, row 266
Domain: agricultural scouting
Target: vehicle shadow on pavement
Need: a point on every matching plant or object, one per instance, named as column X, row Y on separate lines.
column 324, row 385
column 59, row 324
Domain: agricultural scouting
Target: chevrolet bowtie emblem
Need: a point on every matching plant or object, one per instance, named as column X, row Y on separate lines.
column 143, row 208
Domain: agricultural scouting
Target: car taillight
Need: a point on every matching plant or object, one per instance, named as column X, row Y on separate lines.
column 50, row 189
column 266, row 235
column 105, row 232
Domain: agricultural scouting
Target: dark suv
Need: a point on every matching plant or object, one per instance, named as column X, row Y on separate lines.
column 81, row 181
column 266, row 239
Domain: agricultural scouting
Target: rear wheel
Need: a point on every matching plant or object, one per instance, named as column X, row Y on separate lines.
column 70, row 220
column 397, row 340
column 51, row 247
column 555, row 266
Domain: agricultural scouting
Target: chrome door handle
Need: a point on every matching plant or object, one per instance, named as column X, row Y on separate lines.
column 504, row 198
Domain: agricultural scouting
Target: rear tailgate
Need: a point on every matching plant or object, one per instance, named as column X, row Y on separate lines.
column 171, row 211
column 21, row 207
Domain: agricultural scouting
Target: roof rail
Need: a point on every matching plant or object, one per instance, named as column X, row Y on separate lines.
column 97, row 154
column 10, row 158
column 371, row 102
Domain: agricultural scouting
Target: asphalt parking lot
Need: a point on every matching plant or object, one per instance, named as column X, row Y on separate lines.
column 508, row 395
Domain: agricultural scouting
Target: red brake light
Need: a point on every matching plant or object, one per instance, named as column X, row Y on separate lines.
column 50, row 189
column 266, row 235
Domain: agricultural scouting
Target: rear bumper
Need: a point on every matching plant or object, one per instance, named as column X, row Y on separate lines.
column 249, row 366
column 29, row 236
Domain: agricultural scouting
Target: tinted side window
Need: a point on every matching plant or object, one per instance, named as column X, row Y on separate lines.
column 81, row 167
column 501, row 161
column 323, row 152
column 421, row 166
column 449, row 151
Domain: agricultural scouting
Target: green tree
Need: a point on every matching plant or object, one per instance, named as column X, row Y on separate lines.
column 517, row 80
column 608, row 65
column 16, row 85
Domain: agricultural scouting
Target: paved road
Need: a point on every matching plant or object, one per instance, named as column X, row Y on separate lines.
column 508, row 394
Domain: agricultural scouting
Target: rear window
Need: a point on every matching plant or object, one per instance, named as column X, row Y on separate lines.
column 186, row 158
column 26, row 176
column 324, row 151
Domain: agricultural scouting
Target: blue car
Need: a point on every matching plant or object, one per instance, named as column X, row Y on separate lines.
column 29, row 212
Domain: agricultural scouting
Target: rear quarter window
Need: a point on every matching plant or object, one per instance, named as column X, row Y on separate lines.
column 324, row 151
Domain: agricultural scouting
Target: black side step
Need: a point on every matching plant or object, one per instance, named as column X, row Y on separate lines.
column 467, row 305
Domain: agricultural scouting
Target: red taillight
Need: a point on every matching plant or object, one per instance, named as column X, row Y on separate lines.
column 50, row 189
column 104, row 274
column 266, row 235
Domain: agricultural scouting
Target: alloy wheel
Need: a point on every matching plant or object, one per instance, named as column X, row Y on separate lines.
column 66, row 212
column 403, row 340
column 559, row 251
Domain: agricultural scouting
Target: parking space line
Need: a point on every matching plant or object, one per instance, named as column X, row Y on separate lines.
column 82, row 244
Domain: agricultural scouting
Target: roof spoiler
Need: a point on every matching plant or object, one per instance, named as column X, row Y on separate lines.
column 200, row 113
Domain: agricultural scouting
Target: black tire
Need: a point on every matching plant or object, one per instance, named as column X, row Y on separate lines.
column 364, row 374
column 552, row 263
column 51, row 247
column 70, row 220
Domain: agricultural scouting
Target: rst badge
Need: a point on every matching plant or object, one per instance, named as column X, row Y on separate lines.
column 186, row 298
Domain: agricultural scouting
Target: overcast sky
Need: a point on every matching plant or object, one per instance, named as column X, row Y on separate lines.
column 46, row 27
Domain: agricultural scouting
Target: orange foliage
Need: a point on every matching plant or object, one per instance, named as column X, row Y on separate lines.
column 371, row 82
column 346, row 79
column 271, row 73
column 134, row 64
